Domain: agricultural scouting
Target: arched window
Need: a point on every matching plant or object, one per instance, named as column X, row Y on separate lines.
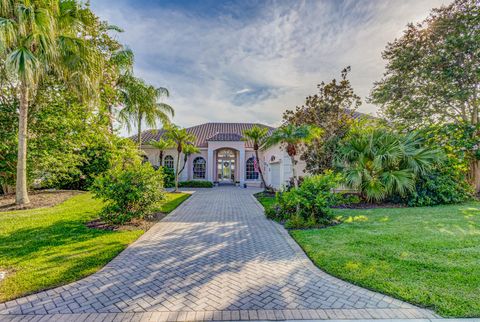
column 251, row 168
column 168, row 161
column 199, row 168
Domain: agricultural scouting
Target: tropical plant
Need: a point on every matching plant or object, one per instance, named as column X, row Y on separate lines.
column 332, row 110
column 258, row 135
column 162, row 145
column 141, row 105
column 316, row 197
column 130, row 191
column 181, row 138
column 291, row 137
column 380, row 163
column 39, row 38
column 432, row 74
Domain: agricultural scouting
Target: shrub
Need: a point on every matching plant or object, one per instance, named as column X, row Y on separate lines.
column 380, row 163
column 445, row 185
column 129, row 192
column 308, row 205
column 168, row 177
column 195, row 184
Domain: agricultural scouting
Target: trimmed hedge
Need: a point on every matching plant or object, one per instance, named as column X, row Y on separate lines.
column 195, row 184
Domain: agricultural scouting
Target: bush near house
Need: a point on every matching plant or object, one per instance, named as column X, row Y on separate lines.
column 308, row 205
column 129, row 192
column 195, row 184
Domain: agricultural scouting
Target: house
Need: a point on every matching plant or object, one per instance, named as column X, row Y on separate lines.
column 225, row 158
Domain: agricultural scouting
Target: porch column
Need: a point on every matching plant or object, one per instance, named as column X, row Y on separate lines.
column 210, row 164
column 241, row 163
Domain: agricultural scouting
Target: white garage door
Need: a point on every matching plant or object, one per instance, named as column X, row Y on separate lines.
column 275, row 175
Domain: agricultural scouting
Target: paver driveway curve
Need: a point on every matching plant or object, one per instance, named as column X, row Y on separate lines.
column 215, row 257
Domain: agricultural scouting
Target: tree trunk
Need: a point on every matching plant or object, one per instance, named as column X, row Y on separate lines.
column 176, row 172
column 160, row 158
column 260, row 170
column 475, row 170
column 295, row 181
column 185, row 159
column 21, row 184
column 110, row 118
column 139, row 129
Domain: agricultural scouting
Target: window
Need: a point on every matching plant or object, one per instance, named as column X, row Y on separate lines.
column 199, row 168
column 251, row 167
column 168, row 161
column 226, row 154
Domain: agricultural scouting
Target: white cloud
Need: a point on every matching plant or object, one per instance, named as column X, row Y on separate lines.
column 224, row 69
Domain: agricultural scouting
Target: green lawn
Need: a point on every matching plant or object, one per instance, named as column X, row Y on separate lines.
column 266, row 200
column 47, row 247
column 172, row 201
column 426, row 256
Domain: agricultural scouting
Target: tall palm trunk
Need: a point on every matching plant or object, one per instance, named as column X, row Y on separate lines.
column 177, row 173
column 260, row 170
column 110, row 119
column 21, row 184
column 294, row 174
column 139, row 129
column 160, row 157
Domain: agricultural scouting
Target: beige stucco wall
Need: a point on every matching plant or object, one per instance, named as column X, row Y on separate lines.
column 281, row 158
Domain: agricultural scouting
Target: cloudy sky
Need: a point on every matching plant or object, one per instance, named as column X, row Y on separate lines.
column 248, row 61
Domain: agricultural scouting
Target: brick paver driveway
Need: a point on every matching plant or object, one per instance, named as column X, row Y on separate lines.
column 216, row 257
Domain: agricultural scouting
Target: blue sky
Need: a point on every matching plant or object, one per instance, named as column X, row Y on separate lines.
column 248, row 61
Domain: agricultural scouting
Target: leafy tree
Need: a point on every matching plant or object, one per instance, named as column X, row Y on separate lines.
column 291, row 137
column 331, row 110
column 141, row 105
column 258, row 135
column 380, row 163
column 39, row 38
column 432, row 74
column 162, row 145
column 181, row 138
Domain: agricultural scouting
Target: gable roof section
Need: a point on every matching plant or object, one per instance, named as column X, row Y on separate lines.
column 208, row 132
column 225, row 137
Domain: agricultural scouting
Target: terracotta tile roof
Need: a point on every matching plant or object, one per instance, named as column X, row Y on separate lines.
column 208, row 131
column 225, row 137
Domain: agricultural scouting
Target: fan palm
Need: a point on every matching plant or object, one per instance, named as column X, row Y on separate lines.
column 258, row 135
column 162, row 145
column 141, row 105
column 291, row 136
column 39, row 38
column 380, row 163
column 181, row 138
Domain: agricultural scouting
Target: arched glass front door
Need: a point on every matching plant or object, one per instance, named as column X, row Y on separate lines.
column 226, row 166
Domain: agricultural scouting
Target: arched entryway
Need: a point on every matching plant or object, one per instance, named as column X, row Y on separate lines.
column 226, row 166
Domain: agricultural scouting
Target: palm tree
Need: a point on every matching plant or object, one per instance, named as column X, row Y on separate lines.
column 379, row 163
column 258, row 136
column 39, row 38
column 188, row 150
column 291, row 136
column 181, row 138
column 162, row 145
column 141, row 105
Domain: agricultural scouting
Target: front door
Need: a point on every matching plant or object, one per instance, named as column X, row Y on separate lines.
column 226, row 166
column 226, row 170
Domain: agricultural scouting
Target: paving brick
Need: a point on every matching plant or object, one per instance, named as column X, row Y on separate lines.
column 215, row 258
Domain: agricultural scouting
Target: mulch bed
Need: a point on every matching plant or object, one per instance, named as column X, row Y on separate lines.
column 143, row 224
column 38, row 199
